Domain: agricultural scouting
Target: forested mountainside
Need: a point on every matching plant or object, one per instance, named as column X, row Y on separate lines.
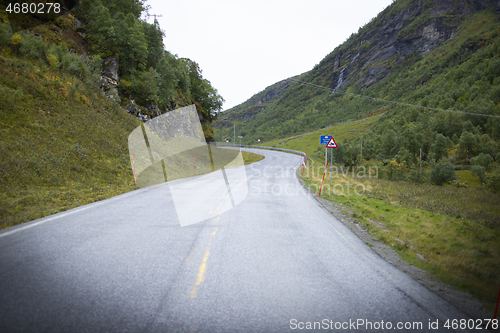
column 434, row 65
column 136, row 70
column 73, row 85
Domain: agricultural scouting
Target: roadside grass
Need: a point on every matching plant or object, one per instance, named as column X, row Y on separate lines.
column 63, row 144
column 455, row 230
column 32, row 202
column 249, row 158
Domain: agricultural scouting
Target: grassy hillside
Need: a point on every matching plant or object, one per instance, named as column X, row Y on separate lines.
column 344, row 132
column 63, row 142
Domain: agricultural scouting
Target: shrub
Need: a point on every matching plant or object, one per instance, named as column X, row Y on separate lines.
column 479, row 171
column 439, row 147
column 33, row 47
column 443, row 173
column 53, row 62
column 483, row 160
column 16, row 39
column 468, row 145
column 5, row 33
column 494, row 184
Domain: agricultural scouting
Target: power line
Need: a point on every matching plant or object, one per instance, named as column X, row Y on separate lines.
column 395, row 102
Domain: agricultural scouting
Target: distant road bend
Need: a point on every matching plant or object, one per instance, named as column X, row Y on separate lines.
column 276, row 262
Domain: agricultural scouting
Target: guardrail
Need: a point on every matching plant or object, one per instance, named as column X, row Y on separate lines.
column 221, row 144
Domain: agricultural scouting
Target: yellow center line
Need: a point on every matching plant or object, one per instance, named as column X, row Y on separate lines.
column 203, row 267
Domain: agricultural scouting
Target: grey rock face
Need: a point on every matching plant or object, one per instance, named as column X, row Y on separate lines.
column 420, row 28
column 110, row 69
column 109, row 78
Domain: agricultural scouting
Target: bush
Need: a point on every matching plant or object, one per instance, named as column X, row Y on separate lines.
column 5, row 33
column 483, row 160
column 443, row 173
column 494, row 184
column 32, row 47
column 479, row 171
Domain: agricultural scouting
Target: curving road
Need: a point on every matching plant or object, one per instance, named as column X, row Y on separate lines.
column 276, row 262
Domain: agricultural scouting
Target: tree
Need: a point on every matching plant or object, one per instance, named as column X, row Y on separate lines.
column 388, row 141
column 205, row 96
column 173, row 78
column 443, row 173
column 154, row 38
column 339, row 155
column 487, row 145
column 468, row 127
column 494, row 184
column 480, row 172
column 439, row 147
column 99, row 27
column 130, row 43
column 134, row 7
column 404, row 156
column 467, row 145
column 483, row 160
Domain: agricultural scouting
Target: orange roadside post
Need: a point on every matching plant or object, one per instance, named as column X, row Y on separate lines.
column 326, row 166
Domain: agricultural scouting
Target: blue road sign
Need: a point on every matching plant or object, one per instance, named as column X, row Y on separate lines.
column 323, row 139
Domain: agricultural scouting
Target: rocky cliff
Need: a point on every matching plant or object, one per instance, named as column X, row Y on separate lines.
column 404, row 29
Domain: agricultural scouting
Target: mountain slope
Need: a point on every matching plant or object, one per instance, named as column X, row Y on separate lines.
column 63, row 141
column 405, row 54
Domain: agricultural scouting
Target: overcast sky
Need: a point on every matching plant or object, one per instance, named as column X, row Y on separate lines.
column 244, row 46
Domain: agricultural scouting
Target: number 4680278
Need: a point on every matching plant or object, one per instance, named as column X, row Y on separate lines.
column 34, row 8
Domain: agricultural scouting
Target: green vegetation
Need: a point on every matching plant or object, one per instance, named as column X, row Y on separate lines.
column 442, row 173
column 455, row 227
column 428, row 175
column 249, row 158
column 63, row 143
column 147, row 71
column 456, row 230
column 461, row 75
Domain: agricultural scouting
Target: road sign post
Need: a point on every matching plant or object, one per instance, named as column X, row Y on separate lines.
column 328, row 142
column 331, row 168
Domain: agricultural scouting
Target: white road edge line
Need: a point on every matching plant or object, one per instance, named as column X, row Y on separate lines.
column 64, row 214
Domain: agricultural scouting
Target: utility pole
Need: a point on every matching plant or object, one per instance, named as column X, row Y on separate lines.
column 361, row 148
column 155, row 16
column 420, row 162
column 234, row 132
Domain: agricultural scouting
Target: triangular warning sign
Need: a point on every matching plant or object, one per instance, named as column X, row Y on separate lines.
column 331, row 143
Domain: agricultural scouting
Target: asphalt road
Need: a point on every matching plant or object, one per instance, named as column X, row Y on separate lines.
column 275, row 262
